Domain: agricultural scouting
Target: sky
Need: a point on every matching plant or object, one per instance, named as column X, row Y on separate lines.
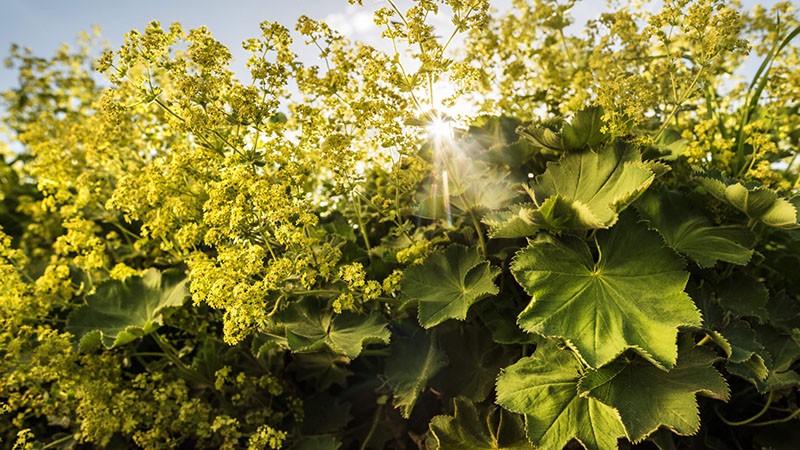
column 43, row 25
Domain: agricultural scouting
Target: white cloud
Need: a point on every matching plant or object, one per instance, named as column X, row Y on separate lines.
column 354, row 22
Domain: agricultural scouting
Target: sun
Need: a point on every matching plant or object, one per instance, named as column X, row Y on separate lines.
column 440, row 129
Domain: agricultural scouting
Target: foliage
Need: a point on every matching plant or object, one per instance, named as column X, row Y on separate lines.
column 548, row 239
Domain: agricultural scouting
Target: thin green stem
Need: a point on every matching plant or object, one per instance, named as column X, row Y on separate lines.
column 375, row 420
column 361, row 228
column 58, row 441
column 776, row 421
column 566, row 49
column 703, row 341
column 749, row 420
column 678, row 104
column 479, row 231
column 317, row 292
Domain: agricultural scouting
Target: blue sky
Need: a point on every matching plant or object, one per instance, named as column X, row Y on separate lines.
column 43, row 25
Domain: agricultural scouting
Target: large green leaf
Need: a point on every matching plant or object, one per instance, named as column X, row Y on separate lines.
column 758, row 203
column 587, row 190
column 632, row 297
column 414, row 360
column 585, row 129
column 122, row 311
column 310, row 328
column 447, row 284
column 491, row 428
column 692, row 234
column 544, row 388
column 648, row 397
column 543, row 136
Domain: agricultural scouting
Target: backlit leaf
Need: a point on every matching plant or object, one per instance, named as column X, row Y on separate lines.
column 584, row 130
column 648, row 397
column 511, row 223
column 758, row 203
column 447, row 283
column 587, row 190
column 632, row 297
column 690, row 233
column 544, row 388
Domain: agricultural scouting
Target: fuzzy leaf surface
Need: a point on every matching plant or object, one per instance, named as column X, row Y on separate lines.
column 544, row 388
column 587, row 190
column 631, row 298
column 648, row 397
column 446, row 284
column 468, row 428
column 120, row 312
column 413, row 361
column 690, row 233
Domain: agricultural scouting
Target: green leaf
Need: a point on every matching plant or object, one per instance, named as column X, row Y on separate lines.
column 474, row 362
column 631, row 298
column 511, row 223
column 663, row 439
column 587, row 190
column 491, row 428
column 499, row 318
column 309, row 328
column 447, row 284
column 784, row 351
column 541, row 136
column 691, row 233
column 413, row 361
column 120, row 312
column 784, row 312
column 584, row 129
column 746, row 358
column 323, row 368
column 648, row 397
column 744, row 296
column 320, row 442
column 544, row 388
column 758, row 203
